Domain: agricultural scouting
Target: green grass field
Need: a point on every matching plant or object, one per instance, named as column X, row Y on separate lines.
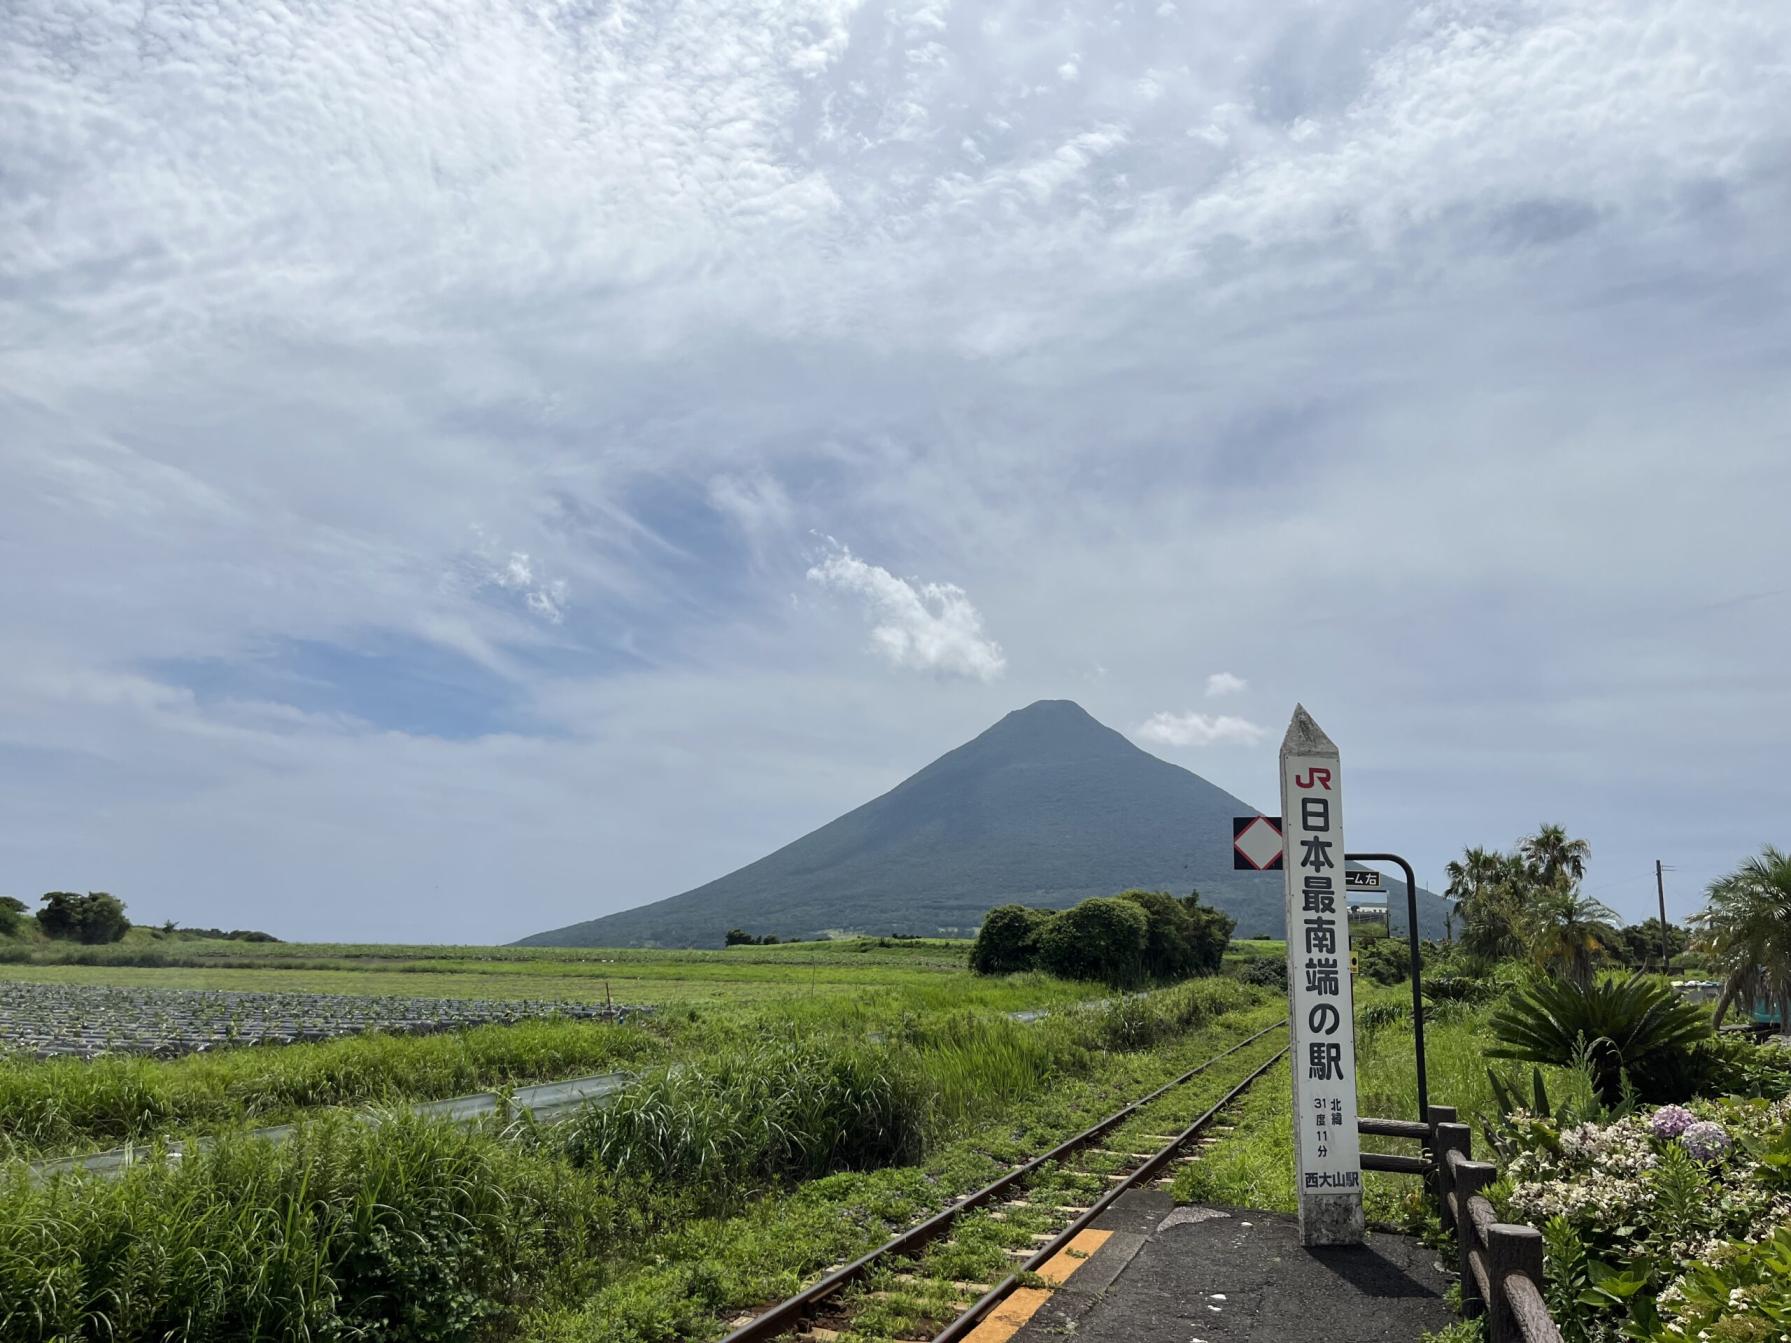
column 933, row 969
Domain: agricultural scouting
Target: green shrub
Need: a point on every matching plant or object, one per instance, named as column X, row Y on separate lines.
column 753, row 1117
column 1008, row 940
column 1458, row 989
column 412, row 1230
column 1385, row 960
column 92, row 918
column 1101, row 939
column 1633, row 1026
column 1183, row 939
column 1269, row 972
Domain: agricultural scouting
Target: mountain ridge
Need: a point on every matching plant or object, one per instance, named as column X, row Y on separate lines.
column 1047, row 806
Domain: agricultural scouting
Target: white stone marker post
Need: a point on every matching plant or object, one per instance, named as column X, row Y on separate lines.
column 1321, row 1022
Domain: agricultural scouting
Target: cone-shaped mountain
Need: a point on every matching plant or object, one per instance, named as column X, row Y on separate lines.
column 1046, row 808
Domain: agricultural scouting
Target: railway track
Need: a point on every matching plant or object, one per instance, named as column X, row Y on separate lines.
column 1047, row 1192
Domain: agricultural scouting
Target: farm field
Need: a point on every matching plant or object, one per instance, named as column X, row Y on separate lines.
column 49, row 1020
column 632, row 977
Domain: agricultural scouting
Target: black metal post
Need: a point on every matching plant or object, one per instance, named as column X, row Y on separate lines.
column 1411, row 934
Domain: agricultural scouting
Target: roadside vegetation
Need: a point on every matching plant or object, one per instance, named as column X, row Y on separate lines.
column 1652, row 1150
column 826, row 1115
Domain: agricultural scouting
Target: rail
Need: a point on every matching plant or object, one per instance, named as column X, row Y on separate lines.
column 1500, row 1262
column 789, row 1315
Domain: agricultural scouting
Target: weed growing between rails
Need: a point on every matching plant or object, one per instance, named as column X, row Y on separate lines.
column 696, row 1274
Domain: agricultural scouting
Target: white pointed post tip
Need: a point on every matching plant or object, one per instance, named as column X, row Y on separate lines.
column 1305, row 737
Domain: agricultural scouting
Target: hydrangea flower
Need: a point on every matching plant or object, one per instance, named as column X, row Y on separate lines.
column 1706, row 1140
column 1671, row 1120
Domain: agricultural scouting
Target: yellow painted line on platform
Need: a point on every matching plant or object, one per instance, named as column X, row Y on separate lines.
column 1023, row 1303
column 1072, row 1256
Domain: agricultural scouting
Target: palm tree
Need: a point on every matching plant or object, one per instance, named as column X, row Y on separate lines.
column 1551, row 857
column 1477, row 870
column 1486, row 885
column 1564, row 931
column 1746, row 926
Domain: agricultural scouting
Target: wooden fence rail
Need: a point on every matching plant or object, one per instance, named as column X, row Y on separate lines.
column 1501, row 1263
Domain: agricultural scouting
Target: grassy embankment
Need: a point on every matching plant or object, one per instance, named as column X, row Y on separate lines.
column 608, row 1227
column 1252, row 1166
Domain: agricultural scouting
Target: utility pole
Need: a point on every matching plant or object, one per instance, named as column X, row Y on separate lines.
column 1666, row 953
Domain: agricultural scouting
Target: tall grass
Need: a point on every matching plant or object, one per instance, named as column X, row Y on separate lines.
column 764, row 1111
column 414, row 1230
column 50, row 1105
column 783, row 1109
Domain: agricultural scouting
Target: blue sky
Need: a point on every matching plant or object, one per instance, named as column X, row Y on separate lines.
column 468, row 469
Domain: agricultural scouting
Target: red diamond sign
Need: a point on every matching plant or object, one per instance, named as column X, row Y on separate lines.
column 1256, row 843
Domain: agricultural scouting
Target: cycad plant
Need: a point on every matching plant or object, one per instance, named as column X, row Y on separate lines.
column 1746, row 927
column 1634, row 1026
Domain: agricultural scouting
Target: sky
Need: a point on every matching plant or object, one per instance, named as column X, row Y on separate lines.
column 471, row 466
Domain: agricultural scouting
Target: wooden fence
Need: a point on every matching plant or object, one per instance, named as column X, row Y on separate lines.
column 1501, row 1263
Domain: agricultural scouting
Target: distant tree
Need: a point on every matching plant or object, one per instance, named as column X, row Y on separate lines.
column 1638, row 944
column 1746, row 926
column 1489, row 888
column 1565, row 932
column 1212, row 930
column 1169, row 951
column 1101, row 938
column 92, row 918
column 1008, row 941
column 739, row 937
column 769, row 940
column 12, row 915
column 1552, row 859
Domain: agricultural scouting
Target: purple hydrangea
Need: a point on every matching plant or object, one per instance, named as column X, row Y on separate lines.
column 1671, row 1120
column 1706, row 1141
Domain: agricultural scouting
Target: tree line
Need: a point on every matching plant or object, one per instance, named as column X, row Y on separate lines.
column 97, row 918
column 1528, row 905
column 1133, row 938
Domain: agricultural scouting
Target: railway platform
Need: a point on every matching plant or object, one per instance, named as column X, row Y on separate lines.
column 1148, row 1271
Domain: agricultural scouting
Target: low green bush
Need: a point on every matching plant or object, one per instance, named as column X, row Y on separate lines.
column 1269, row 972
column 1635, row 1028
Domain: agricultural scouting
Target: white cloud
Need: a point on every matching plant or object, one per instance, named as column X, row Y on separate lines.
column 1198, row 729
column 1224, row 683
column 925, row 626
column 541, row 596
column 757, row 504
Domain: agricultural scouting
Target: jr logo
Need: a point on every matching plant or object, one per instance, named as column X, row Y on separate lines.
column 1321, row 777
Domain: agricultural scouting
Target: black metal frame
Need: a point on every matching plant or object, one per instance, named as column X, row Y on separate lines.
column 1411, row 934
